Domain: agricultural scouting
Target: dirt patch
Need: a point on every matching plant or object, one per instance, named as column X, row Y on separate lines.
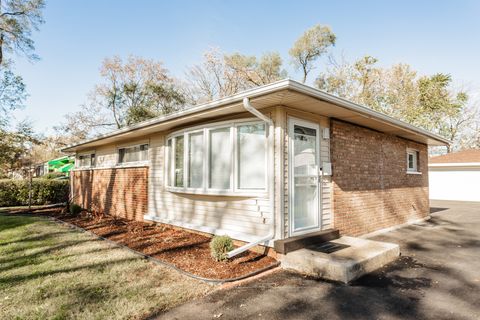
column 186, row 250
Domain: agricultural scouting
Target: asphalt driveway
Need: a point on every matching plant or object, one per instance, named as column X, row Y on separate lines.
column 437, row 277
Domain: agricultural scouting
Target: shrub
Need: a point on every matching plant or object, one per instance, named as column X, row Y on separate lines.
column 44, row 191
column 75, row 209
column 220, row 246
column 53, row 175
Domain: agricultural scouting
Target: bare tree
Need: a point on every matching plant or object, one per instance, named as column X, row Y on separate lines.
column 221, row 74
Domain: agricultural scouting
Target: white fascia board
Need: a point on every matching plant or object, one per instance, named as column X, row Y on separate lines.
column 365, row 111
column 252, row 93
column 286, row 84
column 453, row 164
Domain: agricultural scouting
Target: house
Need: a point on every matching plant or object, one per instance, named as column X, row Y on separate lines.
column 277, row 162
column 455, row 176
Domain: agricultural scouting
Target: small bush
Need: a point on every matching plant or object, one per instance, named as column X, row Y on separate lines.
column 44, row 191
column 220, row 246
column 53, row 175
column 75, row 209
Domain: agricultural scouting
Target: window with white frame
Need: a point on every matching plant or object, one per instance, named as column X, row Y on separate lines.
column 223, row 157
column 412, row 160
column 86, row 160
column 138, row 153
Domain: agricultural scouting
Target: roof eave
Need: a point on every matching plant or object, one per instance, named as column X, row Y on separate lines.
column 286, row 84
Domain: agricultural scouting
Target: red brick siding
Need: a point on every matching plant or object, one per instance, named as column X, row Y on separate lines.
column 371, row 189
column 121, row 192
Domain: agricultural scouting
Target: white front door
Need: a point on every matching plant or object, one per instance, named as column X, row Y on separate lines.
column 304, row 202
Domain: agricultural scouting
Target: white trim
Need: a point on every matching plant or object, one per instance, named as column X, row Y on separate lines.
column 206, row 229
column 413, row 172
column 130, row 165
column 455, row 164
column 133, row 144
column 292, row 121
column 144, row 163
column 216, row 192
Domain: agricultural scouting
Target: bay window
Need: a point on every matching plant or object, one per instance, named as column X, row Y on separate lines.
column 220, row 158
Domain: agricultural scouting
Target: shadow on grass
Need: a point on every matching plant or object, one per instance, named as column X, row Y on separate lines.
column 40, row 237
column 49, row 248
column 14, row 280
column 11, row 222
column 37, row 259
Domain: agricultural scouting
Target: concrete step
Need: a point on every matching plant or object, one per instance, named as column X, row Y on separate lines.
column 285, row 246
column 344, row 259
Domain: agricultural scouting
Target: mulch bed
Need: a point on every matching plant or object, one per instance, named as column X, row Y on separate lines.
column 186, row 250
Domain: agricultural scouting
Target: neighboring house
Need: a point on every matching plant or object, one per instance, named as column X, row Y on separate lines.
column 41, row 169
column 455, row 176
column 270, row 163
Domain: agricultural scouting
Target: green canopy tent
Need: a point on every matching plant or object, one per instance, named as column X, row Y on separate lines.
column 62, row 164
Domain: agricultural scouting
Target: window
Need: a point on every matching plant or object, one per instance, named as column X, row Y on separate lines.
column 86, row 160
column 178, row 170
column 251, row 149
column 133, row 154
column 226, row 157
column 220, row 159
column 195, row 160
column 412, row 160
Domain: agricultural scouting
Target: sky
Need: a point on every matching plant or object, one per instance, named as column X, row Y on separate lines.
column 431, row 36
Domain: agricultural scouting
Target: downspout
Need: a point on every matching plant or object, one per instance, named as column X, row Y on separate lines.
column 271, row 188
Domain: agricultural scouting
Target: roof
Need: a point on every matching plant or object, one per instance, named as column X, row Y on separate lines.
column 461, row 157
column 286, row 92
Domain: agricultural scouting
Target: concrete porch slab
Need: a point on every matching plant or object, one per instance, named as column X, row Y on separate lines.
column 343, row 259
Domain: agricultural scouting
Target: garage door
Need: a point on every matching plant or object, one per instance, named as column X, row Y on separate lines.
column 459, row 183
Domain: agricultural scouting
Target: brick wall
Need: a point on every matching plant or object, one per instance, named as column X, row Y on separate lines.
column 121, row 191
column 371, row 188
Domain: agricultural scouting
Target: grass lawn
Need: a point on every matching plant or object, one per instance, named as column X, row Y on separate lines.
column 49, row 271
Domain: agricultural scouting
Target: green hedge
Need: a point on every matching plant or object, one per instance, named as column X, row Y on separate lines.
column 44, row 191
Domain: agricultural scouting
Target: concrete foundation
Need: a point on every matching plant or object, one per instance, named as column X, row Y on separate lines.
column 344, row 259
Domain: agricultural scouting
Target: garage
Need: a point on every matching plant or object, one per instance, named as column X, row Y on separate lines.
column 455, row 176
